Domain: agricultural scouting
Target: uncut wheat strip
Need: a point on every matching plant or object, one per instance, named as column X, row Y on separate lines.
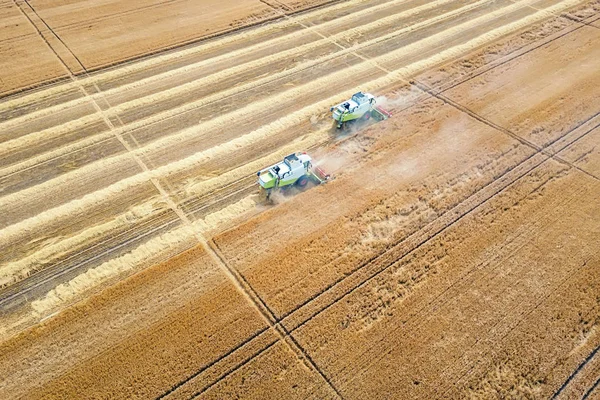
column 405, row 73
column 169, row 57
column 30, row 225
column 13, row 271
column 38, row 137
column 16, row 269
column 31, row 140
column 211, row 61
column 176, row 238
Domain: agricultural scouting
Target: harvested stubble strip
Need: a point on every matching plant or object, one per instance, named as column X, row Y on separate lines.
column 146, row 254
column 38, row 223
column 155, row 247
column 154, row 251
column 401, row 74
column 390, row 78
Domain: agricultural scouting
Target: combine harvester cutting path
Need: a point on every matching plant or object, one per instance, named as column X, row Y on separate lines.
column 295, row 170
column 361, row 107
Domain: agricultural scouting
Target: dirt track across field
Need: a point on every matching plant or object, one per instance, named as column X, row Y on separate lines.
column 454, row 255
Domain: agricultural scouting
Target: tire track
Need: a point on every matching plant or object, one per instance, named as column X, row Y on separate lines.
column 162, row 116
column 596, row 384
column 195, row 206
column 152, row 60
column 523, row 316
column 16, row 294
column 497, row 127
column 503, row 181
column 367, row 271
column 85, row 144
column 574, row 374
column 240, row 284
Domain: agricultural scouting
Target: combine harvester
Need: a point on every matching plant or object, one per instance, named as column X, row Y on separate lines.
column 295, row 170
column 361, row 107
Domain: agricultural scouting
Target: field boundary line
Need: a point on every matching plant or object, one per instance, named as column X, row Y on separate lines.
column 281, row 331
column 497, row 127
column 528, row 48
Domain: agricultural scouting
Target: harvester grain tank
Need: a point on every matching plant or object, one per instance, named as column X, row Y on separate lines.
column 295, row 170
column 362, row 106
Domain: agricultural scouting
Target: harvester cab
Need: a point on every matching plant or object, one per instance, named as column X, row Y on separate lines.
column 362, row 106
column 295, row 170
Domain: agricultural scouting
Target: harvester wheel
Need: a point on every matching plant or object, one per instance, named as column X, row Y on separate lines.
column 302, row 181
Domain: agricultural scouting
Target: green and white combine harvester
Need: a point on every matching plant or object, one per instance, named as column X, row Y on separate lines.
column 362, row 106
column 295, row 170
